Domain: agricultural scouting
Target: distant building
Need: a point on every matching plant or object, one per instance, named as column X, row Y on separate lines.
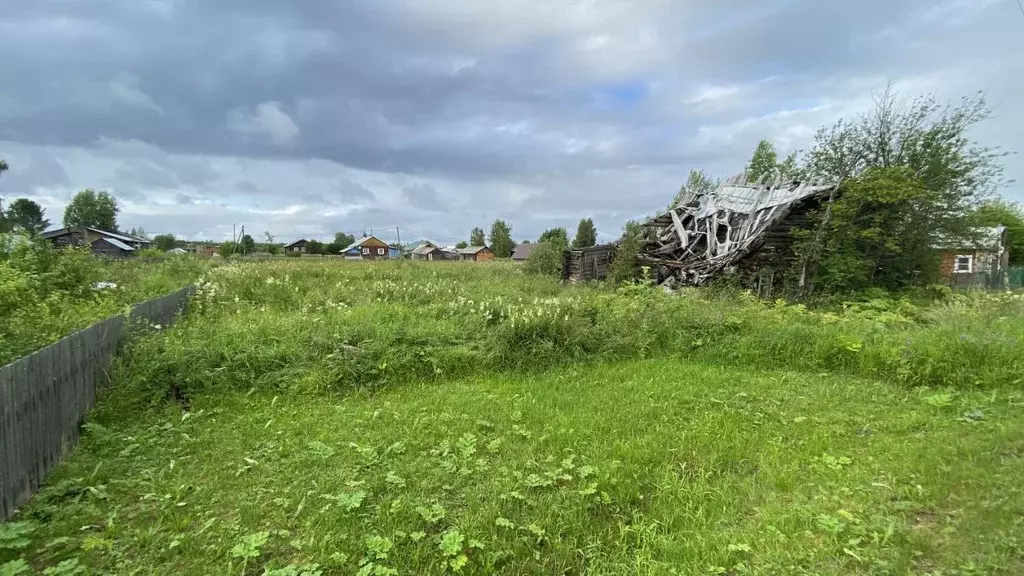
column 297, row 247
column 523, row 251
column 476, row 254
column 368, row 248
column 101, row 242
column 981, row 260
column 428, row 251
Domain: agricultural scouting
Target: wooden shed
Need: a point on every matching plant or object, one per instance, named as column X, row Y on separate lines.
column 588, row 263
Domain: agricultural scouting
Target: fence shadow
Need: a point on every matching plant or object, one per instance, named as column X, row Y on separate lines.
column 44, row 397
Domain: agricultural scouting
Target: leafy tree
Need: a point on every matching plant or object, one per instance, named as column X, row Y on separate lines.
column 938, row 178
column 556, row 235
column 765, row 161
column 1000, row 212
column 92, row 209
column 882, row 232
column 345, row 240
column 461, row 245
column 586, row 234
column 625, row 267
column 228, row 248
column 164, row 242
column 546, row 258
column 27, row 215
column 315, row 247
column 501, row 239
column 334, row 248
column 698, row 182
column 248, row 244
column 477, row 237
column 3, row 166
column 139, row 232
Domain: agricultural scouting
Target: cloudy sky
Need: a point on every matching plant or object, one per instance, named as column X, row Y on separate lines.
column 305, row 118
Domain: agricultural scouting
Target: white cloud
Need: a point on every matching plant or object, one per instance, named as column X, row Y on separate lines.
column 268, row 120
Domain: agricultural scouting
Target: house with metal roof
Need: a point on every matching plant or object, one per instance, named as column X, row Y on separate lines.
column 369, row 248
column 476, row 254
column 523, row 251
column 101, row 242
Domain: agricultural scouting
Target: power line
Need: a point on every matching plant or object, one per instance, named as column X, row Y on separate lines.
column 1020, row 5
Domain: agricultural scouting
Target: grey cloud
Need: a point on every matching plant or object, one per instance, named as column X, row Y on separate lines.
column 537, row 112
column 423, row 196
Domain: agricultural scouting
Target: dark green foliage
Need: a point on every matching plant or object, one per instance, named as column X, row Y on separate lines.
column 228, row 248
column 164, row 242
column 27, row 215
column 914, row 160
column 344, row 240
column 554, row 235
column 92, row 209
column 315, row 247
column 462, row 244
column 586, row 234
column 1000, row 212
column 477, row 237
column 334, row 248
column 248, row 244
column 625, row 268
column 547, row 257
column 501, row 239
column 885, row 224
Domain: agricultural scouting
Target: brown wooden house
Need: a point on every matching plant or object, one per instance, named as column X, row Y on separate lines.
column 368, row 248
column 102, row 242
column 588, row 263
column 297, row 247
column 979, row 261
column 476, row 254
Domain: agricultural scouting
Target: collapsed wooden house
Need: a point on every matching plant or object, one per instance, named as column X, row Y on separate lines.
column 740, row 224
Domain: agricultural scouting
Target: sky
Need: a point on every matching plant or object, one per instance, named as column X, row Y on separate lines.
column 302, row 119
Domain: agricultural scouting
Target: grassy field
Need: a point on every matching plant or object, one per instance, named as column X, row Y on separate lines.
column 379, row 419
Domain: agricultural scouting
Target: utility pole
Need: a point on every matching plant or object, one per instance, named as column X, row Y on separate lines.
column 401, row 249
column 233, row 243
column 240, row 237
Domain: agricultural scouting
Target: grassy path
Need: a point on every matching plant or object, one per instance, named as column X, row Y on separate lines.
column 654, row 467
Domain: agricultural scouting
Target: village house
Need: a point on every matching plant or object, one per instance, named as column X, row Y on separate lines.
column 523, row 251
column 101, row 242
column 476, row 254
column 979, row 260
column 426, row 251
column 297, row 247
column 369, row 248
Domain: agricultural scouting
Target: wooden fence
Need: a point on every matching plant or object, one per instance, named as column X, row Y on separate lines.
column 44, row 397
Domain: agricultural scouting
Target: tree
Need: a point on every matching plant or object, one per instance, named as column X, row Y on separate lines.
column 92, row 209
column 546, row 258
column 698, row 183
column 625, row 267
column 765, row 161
column 1000, row 212
column 462, row 244
column 555, row 235
column 922, row 150
column 228, row 248
column 248, row 244
column 164, row 242
column 139, row 232
column 477, row 238
column 501, row 239
column 27, row 215
column 882, row 232
column 586, row 234
column 345, row 240
column 315, row 247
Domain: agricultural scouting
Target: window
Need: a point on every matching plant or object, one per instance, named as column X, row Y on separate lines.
column 366, row 251
column 964, row 264
column 380, row 250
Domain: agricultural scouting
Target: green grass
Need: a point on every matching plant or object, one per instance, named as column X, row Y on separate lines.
column 638, row 467
column 443, row 418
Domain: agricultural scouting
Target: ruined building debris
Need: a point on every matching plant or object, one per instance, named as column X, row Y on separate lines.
column 739, row 222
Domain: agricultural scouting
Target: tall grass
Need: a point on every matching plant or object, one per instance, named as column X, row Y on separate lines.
column 335, row 327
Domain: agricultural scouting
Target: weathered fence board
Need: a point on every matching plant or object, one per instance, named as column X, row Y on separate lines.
column 45, row 397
